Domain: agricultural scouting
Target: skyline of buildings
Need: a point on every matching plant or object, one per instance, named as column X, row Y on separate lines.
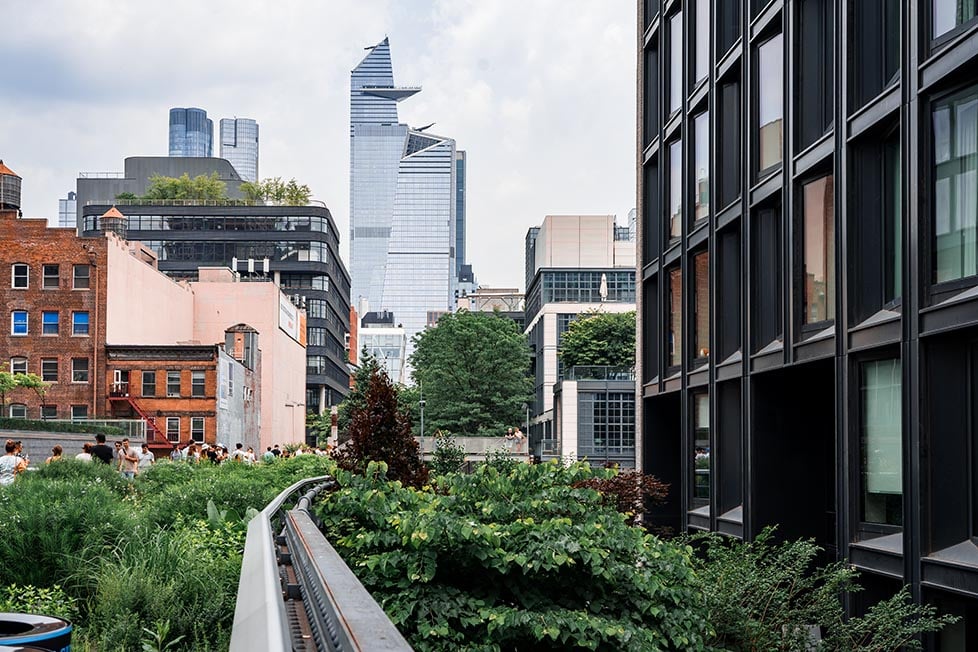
column 404, row 199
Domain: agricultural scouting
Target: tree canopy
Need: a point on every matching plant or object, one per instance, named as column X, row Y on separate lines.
column 600, row 338
column 473, row 369
column 275, row 191
column 204, row 186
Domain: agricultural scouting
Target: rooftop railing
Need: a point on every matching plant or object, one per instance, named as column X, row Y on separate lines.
column 101, row 175
column 594, row 372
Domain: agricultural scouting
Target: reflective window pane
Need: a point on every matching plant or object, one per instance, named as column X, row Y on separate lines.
column 701, row 300
column 770, row 93
column 702, row 37
column 675, row 62
column 948, row 14
column 701, row 450
column 881, row 442
column 675, row 318
column 819, row 245
column 701, row 166
column 956, row 186
column 676, row 189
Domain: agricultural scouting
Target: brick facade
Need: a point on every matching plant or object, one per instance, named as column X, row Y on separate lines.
column 30, row 243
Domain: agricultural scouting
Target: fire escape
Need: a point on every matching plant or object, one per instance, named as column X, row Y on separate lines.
column 124, row 405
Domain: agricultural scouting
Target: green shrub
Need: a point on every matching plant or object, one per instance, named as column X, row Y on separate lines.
column 7, row 423
column 764, row 595
column 83, row 473
column 41, row 601
column 515, row 560
column 51, row 527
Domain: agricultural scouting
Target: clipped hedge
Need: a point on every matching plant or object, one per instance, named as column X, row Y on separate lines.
column 37, row 425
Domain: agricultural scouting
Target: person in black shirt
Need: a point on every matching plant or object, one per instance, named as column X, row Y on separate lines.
column 102, row 452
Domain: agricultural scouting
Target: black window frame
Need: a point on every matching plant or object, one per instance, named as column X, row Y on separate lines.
column 694, row 502
column 669, row 34
column 728, row 144
column 670, row 333
column 729, row 291
column 815, row 72
column 693, row 136
column 936, row 41
column 696, row 359
column 807, row 328
column 759, row 173
column 767, row 276
column 875, row 36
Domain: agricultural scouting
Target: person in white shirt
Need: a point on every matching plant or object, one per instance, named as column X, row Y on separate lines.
column 145, row 458
column 86, row 454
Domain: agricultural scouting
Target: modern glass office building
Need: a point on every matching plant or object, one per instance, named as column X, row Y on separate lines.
column 403, row 202
column 808, row 285
column 191, row 132
column 239, row 145
column 301, row 245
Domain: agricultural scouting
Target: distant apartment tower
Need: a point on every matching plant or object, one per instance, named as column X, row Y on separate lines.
column 68, row 212
column 239, row 144
column 403, row 202
column 191, row 132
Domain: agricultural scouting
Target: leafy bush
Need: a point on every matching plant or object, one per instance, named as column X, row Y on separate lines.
column 83, row 473
column 766, row 596
column 7, row 423
column 236, row 491
column 517, row 560
column 448, row 456
column 29, row 599
column 628, row 491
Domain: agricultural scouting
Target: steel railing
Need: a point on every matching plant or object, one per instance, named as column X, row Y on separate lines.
column 297, row 593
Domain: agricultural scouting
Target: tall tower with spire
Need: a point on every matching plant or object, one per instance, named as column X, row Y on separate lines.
column 403, row 202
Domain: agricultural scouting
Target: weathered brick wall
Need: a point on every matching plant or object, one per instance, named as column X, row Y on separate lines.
column 31, row 242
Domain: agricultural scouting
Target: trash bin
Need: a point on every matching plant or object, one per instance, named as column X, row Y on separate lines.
column 30, row 632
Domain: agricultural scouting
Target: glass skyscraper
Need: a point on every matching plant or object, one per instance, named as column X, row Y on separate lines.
column 239, row 144
column 403, row 202
column 191, row 132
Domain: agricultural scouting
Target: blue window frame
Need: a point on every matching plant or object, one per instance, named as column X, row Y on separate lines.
column 79, row 323
column 49, row 323
column 18, row 322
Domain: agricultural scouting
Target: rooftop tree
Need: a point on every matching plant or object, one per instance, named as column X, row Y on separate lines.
column 600, row 339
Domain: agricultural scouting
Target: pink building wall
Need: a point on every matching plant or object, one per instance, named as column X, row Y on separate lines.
column 283, row 362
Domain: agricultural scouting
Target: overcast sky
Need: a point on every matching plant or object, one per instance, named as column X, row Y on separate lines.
column 540, row 93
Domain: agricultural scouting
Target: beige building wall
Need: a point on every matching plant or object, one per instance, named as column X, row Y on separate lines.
column 581, row 241
column 143, row 305
column 283, row 359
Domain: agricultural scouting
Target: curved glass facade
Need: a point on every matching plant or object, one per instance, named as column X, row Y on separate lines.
column 191, row 133
column 239, row 145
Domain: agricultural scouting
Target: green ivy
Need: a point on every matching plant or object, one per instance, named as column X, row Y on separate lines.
column 519, row 559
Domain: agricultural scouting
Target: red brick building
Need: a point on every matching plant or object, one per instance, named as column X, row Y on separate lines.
column 54, row 297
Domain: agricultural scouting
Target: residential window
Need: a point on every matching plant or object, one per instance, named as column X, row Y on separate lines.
column 701, row 166
column 701, row 450
column 651, row 212
column 197, row 429
column 675, row 62
column 49, row 411
column 650, row 93
column 149, row 383
column 956, row 186
column 675, row 317
column 49, row 370
column 18, row 322
column 876, row 40
column 18, row 365
column 881, row 442
column 79, row 370
column 18, row 411
column 728, row 290
column 79, row 323
column 173, row 429
column 676, row 189
column 81, row 277
column 770, row 104
column 728, row 24
column 766, row 283
column 52, row 277
column 49, row 323
column 892, row 220
column 19, row 276
column 701, row 67
column 173, row 383
column 819, row 251
column 728, row 142
column 949, row 14
column 79, row 412
column 197, row 383
column 701, row 307
column 815, row 71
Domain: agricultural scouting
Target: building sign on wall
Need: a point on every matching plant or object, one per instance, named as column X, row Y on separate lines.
column 288, row 319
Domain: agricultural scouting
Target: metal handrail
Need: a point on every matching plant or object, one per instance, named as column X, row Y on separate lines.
column 338, row 613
